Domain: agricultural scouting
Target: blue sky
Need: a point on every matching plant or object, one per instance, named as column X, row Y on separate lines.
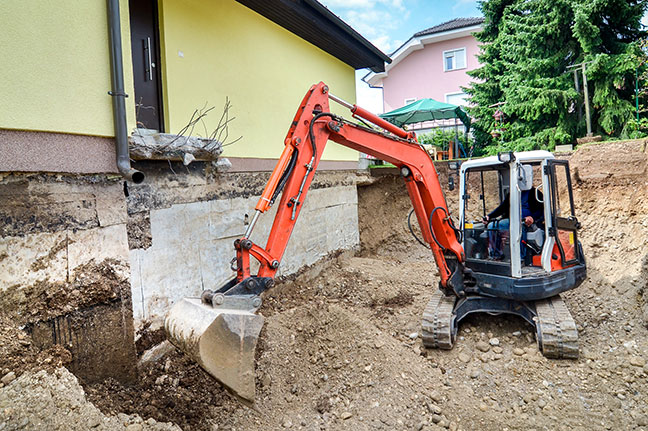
column 389, row 23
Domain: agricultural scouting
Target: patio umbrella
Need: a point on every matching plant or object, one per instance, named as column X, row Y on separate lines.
column 426, row 110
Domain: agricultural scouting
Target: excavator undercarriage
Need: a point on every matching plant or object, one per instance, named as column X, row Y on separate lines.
column 555, row 327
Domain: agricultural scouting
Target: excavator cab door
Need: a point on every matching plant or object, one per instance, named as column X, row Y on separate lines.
column 564, row 224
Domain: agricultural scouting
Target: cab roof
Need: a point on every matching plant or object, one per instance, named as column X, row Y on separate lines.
column 523, row 157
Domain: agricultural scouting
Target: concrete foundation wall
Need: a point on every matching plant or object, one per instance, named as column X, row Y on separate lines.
column 192, row 244
column 86, row 261
column 183, row 222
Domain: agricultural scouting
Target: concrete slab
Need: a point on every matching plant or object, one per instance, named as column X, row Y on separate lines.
column 193, row 245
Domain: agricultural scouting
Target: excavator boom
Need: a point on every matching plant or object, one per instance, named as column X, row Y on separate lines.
column 220, row 329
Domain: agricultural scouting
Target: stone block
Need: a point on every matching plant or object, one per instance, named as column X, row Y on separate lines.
column 111, row 207
column 25, row 260
column 98, row 244
column 564, row 148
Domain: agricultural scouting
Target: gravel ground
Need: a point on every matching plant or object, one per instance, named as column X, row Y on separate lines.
column 341, row 347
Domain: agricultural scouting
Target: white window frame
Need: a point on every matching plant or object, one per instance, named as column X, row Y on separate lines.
column 409, row 100
column 445, row 96
column 445, row 69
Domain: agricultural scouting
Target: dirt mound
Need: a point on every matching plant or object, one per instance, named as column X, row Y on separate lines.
column 174, row 389
column 55, row 401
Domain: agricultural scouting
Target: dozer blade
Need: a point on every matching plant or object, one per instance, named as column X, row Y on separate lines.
column 221, row 338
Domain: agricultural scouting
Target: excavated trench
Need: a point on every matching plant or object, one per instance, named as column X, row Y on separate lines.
column 340, row 349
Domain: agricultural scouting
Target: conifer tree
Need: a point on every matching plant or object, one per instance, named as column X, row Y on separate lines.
column 528, row 46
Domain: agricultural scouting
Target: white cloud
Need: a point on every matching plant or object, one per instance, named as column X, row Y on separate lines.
column 371, row 23
column 366, row 4
column 373, row 19
column 385, row 44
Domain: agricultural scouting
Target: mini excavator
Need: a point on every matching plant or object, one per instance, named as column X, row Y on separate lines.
column 520, row 270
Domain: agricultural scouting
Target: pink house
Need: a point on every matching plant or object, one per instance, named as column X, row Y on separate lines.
column 432, row 63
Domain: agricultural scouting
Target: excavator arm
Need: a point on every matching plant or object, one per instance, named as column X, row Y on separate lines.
column 310, row 130
column 221, row 328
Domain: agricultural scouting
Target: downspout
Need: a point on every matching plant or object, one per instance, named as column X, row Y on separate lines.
column 118, row 95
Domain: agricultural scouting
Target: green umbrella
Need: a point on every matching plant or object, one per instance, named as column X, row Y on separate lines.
column 426, row 110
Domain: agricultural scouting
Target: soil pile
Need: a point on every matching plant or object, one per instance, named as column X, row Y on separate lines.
column 341, row 346
column 55, row 401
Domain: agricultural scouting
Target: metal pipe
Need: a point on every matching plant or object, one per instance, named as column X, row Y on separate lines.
column 373, row 118
column 250, row 227
column 340, row 101
column 118, row 95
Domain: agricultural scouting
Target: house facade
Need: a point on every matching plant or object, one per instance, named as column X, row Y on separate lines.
column 432, row 63
column 91, row 234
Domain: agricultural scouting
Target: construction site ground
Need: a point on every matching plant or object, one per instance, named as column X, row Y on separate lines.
column 341, row 347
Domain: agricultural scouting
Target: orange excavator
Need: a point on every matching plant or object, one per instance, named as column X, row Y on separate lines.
column 478, row 262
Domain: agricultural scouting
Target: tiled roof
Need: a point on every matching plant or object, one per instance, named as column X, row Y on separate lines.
column 453, row 24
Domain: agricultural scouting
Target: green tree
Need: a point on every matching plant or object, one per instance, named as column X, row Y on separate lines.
column 527, row 48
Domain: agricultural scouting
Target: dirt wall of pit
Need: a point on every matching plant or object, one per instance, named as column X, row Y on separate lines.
column 384, row 206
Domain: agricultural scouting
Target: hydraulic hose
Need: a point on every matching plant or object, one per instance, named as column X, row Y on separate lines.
column 284, row 177
column 450, row 223
column 309, row 166
column 409, row 225
column 311, row 135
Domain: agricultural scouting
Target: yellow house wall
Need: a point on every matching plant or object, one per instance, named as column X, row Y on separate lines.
column 56, row 71
column 218, row 49
column 55, row 66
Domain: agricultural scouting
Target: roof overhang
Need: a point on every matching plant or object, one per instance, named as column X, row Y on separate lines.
column 314, row 23
column 415, row 43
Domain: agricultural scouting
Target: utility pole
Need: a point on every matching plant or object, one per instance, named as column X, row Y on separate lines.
column 588, row 119
column 578, row 106
column 637, row 92
column 587, row 107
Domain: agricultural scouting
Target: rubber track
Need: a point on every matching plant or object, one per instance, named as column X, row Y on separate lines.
column 557, row 332
column 437, row 322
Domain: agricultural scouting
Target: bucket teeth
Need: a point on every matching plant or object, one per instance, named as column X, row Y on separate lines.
column 222, row 340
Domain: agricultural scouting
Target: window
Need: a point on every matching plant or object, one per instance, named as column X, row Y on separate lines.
column 409, row 100
column 458, row 99
column 455, row 59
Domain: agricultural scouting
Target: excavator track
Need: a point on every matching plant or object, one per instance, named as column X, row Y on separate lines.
column 437, row 325
column 556, row 329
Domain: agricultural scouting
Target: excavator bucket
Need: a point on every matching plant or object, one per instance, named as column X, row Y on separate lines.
column 221, row 338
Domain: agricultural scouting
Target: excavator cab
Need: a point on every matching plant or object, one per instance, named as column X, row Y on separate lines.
column 517, row 265
column 507, row 245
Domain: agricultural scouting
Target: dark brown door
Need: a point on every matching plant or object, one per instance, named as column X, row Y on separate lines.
column 146, row 61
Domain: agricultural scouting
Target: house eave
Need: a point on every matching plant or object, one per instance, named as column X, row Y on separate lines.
column 314, row 23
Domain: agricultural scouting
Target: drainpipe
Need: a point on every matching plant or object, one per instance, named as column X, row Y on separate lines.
column 118, row 95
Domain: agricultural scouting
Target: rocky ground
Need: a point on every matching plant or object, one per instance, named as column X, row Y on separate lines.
column 341, row 346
